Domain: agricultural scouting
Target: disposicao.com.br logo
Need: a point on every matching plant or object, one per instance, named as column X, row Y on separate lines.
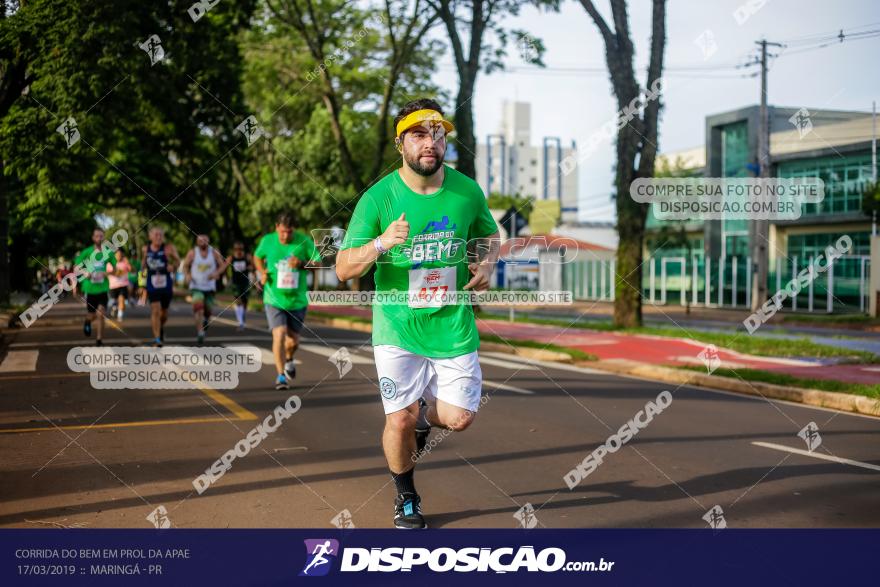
column 320, row 554
column 442, row 559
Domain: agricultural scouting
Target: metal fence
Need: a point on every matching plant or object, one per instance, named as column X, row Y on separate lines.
column 726, row 282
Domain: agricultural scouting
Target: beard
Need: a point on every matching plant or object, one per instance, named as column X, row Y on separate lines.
column 414, row 162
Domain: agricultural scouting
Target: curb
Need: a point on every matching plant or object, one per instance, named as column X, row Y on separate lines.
column 845, row 402
column 525, row 352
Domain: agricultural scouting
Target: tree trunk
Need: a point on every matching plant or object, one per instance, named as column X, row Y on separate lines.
column 4, row 240
column 630, row 228
column 637, row 137
column 465, row 141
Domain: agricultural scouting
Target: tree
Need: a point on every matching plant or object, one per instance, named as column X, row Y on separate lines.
column 522, row 204
column 356, row 52
column 152, row 137
column 636, row 144
column 481, row 19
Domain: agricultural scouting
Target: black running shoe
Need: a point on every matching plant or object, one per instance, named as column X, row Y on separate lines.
column 408, row 512
column 423, row 429
column 162, row 333
column 87, row 328
column 99, row 342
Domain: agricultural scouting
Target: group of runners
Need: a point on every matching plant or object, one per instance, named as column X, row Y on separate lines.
column 110, row 280
column 428, row 372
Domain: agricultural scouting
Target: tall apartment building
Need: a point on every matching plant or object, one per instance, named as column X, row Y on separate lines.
column 507, row 162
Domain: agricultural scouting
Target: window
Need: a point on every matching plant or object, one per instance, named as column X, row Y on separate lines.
column 734, row 158
column 845, row 178
column 847, row 269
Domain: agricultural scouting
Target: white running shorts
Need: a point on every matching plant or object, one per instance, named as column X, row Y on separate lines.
column 404, row 377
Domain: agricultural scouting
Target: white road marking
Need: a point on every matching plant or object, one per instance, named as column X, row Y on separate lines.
column 265, row 329
column 548, row 364
column 506, row 364
column 816, row 455
column 325, row 351
column 507, row 387
column 129, row 341
column 19, row 361
column 266, row 356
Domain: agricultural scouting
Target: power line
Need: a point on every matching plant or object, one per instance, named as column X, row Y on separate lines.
column 814, row 36
column 827, row 44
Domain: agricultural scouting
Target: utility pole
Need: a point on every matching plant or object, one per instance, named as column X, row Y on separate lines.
column 759, row 230
column 874, row 161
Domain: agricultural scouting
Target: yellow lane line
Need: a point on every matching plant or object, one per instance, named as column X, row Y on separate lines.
column 51, row 376
column 117, row 425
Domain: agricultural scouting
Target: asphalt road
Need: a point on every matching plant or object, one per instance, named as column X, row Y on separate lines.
column 75, row 456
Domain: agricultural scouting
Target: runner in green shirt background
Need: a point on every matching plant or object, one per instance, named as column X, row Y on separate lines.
column 95, row 284
column 282, row 259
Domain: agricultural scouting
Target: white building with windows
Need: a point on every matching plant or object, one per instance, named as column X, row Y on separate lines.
column 509, row 163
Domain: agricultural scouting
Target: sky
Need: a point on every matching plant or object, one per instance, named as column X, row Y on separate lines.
column 574, row 105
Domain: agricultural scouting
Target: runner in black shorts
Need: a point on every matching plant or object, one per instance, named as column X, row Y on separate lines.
column 242, row 265
column 160, row 259
column 96, row 259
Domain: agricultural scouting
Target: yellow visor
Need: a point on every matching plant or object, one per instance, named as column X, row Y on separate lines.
column 421, row 116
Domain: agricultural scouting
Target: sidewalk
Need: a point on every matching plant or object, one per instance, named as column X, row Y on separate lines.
column 675, row 351
column 653, row 350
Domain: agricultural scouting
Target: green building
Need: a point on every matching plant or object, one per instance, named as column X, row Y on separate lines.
column 832, row 145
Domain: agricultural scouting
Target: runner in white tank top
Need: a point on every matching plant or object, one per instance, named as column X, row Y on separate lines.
column 202, row 266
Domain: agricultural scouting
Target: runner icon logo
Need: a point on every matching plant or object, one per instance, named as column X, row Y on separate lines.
column 442, row 224
column 715, row 518
column 710, row 358
column 387, row 387
column 320, row 554
column 159, row 518
column 810, row 434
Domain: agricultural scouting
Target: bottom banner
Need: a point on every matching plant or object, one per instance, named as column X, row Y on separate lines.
column 433, row 557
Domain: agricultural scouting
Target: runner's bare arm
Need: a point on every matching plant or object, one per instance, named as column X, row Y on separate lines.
column 187, row 262
column 355, row 262
column 222, row 264
column 261, row 269
column 171, row 251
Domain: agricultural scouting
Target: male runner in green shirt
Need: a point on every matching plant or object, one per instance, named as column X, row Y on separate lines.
column 282, row 258
column 96, row 286
column 415, row 224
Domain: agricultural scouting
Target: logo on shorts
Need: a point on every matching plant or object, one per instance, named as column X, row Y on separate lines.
column 387, row 387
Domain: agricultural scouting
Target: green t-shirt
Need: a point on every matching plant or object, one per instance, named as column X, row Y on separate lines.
column 433, row 255
column 97, row 282
column 286, row 288
column 135, row 269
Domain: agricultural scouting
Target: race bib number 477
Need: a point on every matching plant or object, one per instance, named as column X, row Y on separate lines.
column 431, row 288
